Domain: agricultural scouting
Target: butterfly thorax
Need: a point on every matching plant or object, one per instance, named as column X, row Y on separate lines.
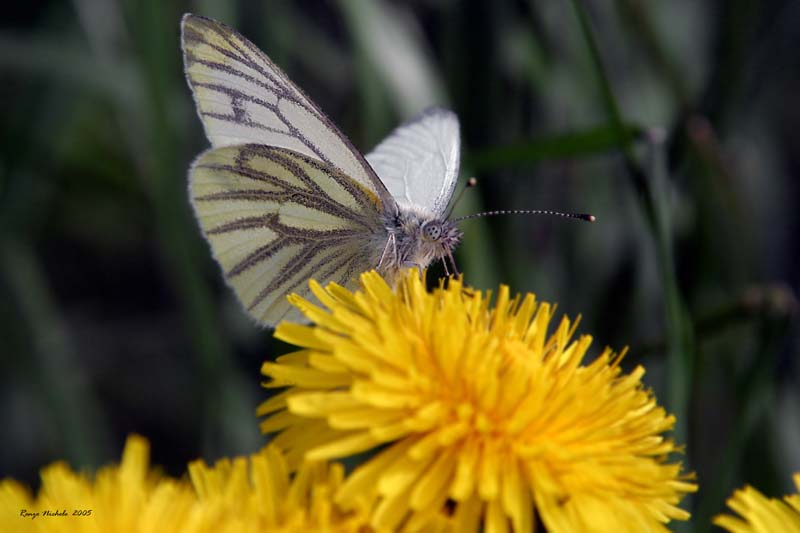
column 415, row 237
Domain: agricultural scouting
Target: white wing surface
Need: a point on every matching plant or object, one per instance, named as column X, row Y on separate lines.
column 275, row 218
column 242, row 97
column 419, row 161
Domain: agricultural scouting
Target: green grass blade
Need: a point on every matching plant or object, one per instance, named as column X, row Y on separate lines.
column 583, row 143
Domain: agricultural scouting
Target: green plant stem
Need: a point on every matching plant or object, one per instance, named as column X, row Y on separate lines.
column 640, row 23
column 756, row 398
column 656, row 214
column 78, row 424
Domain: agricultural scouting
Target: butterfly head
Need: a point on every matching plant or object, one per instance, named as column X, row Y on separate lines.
column 442, row 232
column 440, row 237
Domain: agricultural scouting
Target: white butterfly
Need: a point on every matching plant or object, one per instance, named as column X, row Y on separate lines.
column 282, row 196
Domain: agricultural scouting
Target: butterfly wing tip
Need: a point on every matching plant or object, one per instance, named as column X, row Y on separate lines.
column 190, row 19
column 186, row 18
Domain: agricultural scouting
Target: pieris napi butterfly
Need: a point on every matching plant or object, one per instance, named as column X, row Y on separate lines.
column 282, row 196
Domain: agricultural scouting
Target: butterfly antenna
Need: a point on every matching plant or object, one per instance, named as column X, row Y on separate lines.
column 579, row 216
column 472, row 182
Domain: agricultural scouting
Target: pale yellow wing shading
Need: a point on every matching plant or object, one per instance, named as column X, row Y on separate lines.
column 275, row 219
column 242, row 97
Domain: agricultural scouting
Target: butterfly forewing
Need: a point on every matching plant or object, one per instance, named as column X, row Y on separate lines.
column 242, row 97
column 276, row 218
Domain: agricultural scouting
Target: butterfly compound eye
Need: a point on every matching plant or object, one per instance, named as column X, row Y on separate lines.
column 432, row 231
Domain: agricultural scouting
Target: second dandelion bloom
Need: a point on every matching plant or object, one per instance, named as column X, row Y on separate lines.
column 485, row 412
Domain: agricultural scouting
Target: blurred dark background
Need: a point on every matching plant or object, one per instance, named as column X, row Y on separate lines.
column 675, row 123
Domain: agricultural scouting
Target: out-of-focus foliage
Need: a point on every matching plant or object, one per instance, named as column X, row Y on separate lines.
column 675, row 123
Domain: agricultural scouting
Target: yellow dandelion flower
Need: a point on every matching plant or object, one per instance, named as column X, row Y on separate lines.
column 243, row 495
column 471, row 409
column 760, row 514
column 257, row 493
column 128, row 497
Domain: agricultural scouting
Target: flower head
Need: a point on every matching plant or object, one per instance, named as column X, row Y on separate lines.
column 125, row 497
column 760, row 514
column 244, row 494
column 257, row 493
column 471, row 408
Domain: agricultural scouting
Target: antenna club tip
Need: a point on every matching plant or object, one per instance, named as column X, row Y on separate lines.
column 472, row 182
column 591, row 218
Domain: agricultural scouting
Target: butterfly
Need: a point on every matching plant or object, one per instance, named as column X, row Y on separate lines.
column 282, row 196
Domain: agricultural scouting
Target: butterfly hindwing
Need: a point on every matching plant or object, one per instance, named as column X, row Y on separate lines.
column 419, row 161
column 275, row 218
column 242, row 97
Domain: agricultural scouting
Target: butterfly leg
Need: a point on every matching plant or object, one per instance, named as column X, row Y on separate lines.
column 446, row 270
column 452, row 261
column 391, row 240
